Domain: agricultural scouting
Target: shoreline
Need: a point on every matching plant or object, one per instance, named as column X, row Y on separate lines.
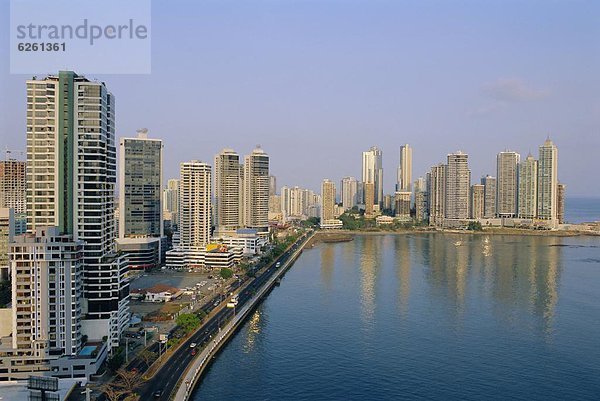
column 492, row 231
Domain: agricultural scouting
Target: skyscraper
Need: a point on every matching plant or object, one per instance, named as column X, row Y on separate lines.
column 547, row 181
column 477, row 201
column 272, row 185
column 71, row 140
column 437, row 194
column 256, row 190
column 507, row 184
column 528, row 171
column 489, row 202
column 327, row 200
column 194, row 205
column 228, row 192
column 458, row 184
column 140, row 187
column 349, row 192
column 7, row 233
column 372, row 172
column 13, row 190
column 171, row 201
column 47, row 324
column 404, row 180
column 141, row 231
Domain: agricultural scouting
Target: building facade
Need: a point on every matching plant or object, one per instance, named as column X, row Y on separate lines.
column 71, row 178
column 372, row 172
column 547, row 194
column 477, row 201
column 507, row 184
column 404, row 179
column 489, row 203
column 256, row 190
column 458, row 185
column 349, row 192
column 194, row 204
column 528, row 172
column 228, row 192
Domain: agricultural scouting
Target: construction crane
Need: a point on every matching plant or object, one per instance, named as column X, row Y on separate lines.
column 9, row 153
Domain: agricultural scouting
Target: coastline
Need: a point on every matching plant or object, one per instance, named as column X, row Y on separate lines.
column 488, row 231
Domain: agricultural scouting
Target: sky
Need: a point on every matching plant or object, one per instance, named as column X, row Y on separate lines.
column 315, row 83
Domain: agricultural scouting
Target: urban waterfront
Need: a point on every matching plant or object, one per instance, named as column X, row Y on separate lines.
column 431, row 316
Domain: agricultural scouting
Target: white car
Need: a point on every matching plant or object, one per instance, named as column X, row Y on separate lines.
column 193, row 345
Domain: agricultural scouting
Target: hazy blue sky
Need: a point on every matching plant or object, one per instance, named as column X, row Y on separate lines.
column 317, row 82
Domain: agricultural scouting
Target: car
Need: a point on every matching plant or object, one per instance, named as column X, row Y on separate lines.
column 158, row 393
column 193, row 345
column 194, row 352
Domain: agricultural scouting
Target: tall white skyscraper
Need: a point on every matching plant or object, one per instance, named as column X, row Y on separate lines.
column 507, row 184
column 547, row 194
column 528, row 172
column 71, row 178
column 405, row 170
column 458, row 185
column 194, row 204
column 372, row 172
column 228, row 192
column 349, row 192
column 489, row 202
column 256, row 190
column 171, row 200
column 437, row 194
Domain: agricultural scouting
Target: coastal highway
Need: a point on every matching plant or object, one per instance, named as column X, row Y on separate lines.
column 165, row 380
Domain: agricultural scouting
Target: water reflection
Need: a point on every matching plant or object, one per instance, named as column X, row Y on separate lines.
column 519, row 272
column 254, row 330
column 368, row 249
column 402, row 255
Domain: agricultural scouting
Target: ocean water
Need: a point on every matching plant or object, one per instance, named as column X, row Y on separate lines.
column 581, row 210
column 423, row 317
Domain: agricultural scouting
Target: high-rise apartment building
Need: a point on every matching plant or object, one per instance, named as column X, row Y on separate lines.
column 13, row 190
column 402, row 205
column 327, row 200
column 256, row 190
column 71, row 178
column 458, row 185
column 437, row 194
column 47, row 271
column 171, row 202
column 194, row 205
column 349, row 192
column 420, row 187
column 528, row 172
column 404, row 180
column 7, row 233
column 507, row 183
column 372, row 172
column 547, row 181
column 477, row 201
column 489, row 202
column 272, row 185
column 228, row 192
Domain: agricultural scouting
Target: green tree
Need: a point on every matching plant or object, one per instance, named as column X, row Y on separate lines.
column 116, row 360
column 148, row 357
column 226, row 273
column 474, row 226
column 188, row 321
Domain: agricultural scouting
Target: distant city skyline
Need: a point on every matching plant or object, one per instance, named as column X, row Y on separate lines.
column 437, row 75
